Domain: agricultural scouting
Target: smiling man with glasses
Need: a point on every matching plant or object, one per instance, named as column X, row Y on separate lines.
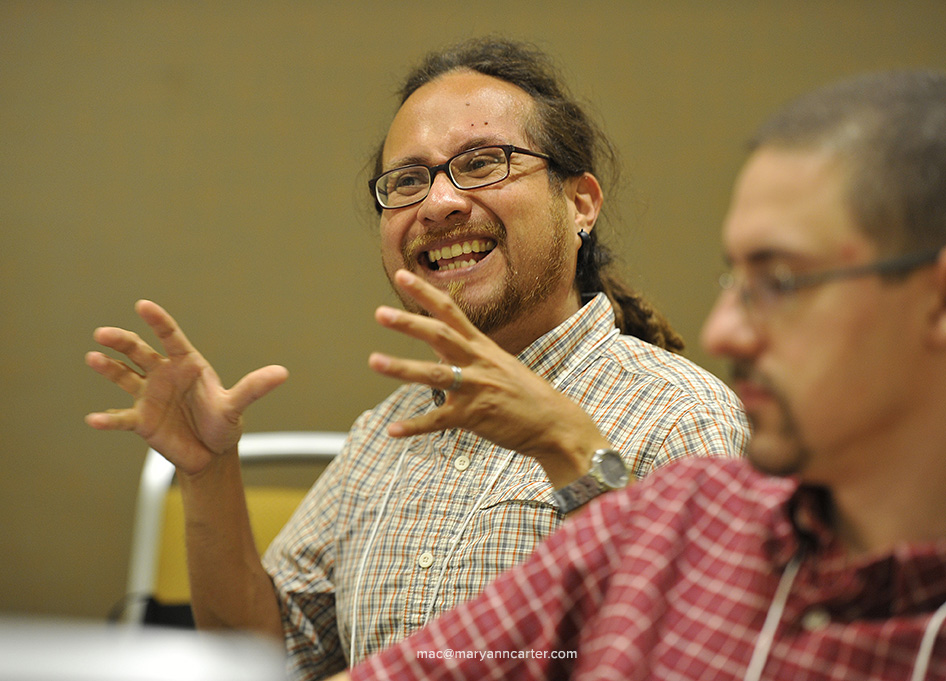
column 486, row 186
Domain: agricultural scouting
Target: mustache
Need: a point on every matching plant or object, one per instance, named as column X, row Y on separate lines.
column 741, row 371
column 493, row 229
column 789, row 426
column 744, row 371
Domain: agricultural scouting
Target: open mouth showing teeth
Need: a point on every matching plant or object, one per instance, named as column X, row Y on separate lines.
column 459, row 255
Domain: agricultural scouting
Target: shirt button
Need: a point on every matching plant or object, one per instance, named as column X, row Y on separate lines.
column 426, row 559
column 815, row 619
column 461, row 463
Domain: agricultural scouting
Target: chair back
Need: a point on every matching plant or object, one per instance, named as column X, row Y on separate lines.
column 278, row 470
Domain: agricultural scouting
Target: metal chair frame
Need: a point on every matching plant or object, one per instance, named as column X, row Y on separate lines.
column 156, row 477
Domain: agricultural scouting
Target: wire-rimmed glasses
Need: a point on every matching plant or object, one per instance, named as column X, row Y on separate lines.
column 760, row 294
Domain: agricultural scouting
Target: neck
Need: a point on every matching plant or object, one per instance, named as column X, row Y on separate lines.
column 890, row 522
column 522, row 332
column 903, row 499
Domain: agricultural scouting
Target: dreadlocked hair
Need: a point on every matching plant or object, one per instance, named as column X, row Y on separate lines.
column 633, row 314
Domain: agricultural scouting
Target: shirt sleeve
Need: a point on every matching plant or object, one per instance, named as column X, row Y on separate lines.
column 656, row 407
column 719, row 429
column 301, row 564
column 526, row 624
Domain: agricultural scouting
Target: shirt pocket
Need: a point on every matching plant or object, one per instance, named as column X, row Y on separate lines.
column 504, row 530
column 532, row 492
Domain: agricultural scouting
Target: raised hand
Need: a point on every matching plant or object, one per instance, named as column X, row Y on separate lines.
column 499, row 398
column 180, row 407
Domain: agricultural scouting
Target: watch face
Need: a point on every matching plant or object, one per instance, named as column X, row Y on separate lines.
column 612, row 469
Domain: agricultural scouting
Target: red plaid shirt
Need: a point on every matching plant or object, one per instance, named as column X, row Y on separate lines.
column 673, row 579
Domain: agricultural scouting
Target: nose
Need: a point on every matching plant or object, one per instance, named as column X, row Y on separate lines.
column 443, row 201
column 728, row 331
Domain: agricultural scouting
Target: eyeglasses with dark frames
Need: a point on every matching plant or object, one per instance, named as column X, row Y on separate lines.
column 469, row 169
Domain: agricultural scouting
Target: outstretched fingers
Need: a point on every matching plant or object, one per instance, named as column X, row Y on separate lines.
column 129, row 344
column 446, row 342
column 430, row 422
column 136, row 349
column 113, row 419
column 180, row 406
column 412, row 371
column 172, row 338
column 117, row 372
column 440, row 305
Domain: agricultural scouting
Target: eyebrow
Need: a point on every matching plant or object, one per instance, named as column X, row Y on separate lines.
column 473, row 143
column 767, row 256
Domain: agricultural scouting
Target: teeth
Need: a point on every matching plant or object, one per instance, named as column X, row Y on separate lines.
column 458, row 265
column 465, row 248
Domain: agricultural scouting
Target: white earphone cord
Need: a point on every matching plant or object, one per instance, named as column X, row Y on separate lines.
column 364, row 556
column 766, row 637
column 461, row 532
column 763, row 644
column 925, row 652
column 374, row 532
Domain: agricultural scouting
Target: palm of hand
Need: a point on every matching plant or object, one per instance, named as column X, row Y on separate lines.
column 184, row 412
column 181, row 408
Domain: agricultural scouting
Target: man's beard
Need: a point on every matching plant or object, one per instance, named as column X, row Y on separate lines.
column 774, row 448
column 517, row 296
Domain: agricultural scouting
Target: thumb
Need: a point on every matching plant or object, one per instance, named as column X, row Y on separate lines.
column 426, row 423
column 257, row 384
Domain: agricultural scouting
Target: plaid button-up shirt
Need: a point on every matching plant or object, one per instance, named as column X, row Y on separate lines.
column 673, row 579
column 398, row 530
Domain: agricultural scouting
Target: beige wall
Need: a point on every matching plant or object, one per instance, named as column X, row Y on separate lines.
column 208, row 156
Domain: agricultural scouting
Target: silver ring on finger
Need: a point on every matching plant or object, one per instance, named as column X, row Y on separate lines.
column 457, row 377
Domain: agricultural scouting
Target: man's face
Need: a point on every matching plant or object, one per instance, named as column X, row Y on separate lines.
column 825, row 373
column 519, row 251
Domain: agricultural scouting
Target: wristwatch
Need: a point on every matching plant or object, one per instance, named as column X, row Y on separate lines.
column 608, row 472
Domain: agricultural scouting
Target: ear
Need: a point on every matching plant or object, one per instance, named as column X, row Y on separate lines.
column 584, row 198
column 938, row 312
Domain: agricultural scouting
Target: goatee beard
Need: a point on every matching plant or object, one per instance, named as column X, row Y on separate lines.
column 514, row 297
column 774, row 448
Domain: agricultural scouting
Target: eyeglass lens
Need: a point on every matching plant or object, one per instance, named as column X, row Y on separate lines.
column 469, row 170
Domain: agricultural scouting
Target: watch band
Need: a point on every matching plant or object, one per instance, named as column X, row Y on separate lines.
column 593, row 483
column 577, row 493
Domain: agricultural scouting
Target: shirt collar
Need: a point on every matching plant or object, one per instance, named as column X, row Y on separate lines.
column 909, row 578
column 556, row 354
